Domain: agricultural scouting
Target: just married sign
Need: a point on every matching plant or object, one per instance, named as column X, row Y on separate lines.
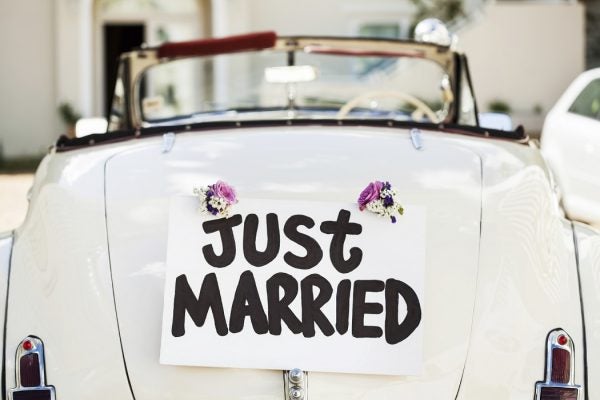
column 281, row 284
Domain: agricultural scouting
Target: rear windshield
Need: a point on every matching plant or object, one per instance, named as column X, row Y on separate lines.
column 278, row 84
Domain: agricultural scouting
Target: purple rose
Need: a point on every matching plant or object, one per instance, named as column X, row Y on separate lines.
column 369, row 194
column 223, row 190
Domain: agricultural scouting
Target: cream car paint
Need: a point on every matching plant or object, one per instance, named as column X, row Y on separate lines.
column 588, row 246
column 525, row 285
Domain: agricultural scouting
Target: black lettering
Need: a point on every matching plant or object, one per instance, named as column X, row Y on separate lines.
column 197, row 308
column 339, row 229
column 279, row 308
column 225, row 227
column 314, row 254
column 394, row 332
column 342, row 309
column 311, row 306
column 361, row 307
column 253, row 256
column 246, row 303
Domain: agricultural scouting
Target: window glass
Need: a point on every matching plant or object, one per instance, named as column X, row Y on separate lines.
column 234, row 86
column 588, row 101
column 376, row 30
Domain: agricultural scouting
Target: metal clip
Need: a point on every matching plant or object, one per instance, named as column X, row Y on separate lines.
column 415, row 137
column 296, row 384
column 168, row 142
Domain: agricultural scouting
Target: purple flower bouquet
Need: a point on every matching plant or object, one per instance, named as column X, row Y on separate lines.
column 216, row 199
column 380, row 198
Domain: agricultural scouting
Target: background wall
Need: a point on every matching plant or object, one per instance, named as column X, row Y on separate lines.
column 522, row 52
column 28, row 118
column 525, row 53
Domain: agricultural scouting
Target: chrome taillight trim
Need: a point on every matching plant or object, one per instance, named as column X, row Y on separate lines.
column 37, row 348
column 552, row 342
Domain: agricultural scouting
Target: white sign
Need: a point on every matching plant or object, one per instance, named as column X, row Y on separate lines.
column 282, row 284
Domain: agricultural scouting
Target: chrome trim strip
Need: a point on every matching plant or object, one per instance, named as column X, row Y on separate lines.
column 417, row 140
column 37, row 348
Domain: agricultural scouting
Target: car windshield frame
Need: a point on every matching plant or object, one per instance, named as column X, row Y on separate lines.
column 276, row 84
column 125, row 122
column 134, row 66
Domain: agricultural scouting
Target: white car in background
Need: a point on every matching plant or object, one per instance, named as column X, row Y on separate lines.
column 571, row 144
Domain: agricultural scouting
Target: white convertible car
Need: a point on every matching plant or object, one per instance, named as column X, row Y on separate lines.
column 571, row 144
column 298, row 218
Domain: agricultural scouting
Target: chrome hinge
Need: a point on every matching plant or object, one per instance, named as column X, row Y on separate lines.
column 168, row 142
column 415, row 137
column 296, row 384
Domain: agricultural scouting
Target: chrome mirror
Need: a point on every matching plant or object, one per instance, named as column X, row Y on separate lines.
column 432, row 30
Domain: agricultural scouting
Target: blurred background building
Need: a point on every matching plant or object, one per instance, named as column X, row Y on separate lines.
column 58, row 57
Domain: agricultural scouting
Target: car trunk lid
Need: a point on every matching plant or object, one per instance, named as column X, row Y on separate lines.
column 294, row 164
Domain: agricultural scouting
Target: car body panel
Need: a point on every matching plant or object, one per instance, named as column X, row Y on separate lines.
column 309, row 163
column 588, row 250
column 514, row 184
column 60, row 288
column 527, row 278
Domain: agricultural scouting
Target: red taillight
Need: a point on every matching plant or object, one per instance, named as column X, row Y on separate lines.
column 561, row 365
column 562, row 340
column 27, row 345
column 29, row 370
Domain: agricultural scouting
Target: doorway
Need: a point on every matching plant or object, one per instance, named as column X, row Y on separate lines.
column 118, row 38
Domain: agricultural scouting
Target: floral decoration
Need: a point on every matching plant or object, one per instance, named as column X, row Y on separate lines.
column 216, row 199
column 380, row 198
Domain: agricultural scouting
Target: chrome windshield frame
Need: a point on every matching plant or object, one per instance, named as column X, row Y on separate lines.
column 137, row 62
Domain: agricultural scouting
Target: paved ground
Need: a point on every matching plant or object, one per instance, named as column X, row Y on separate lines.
column 13, row 199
